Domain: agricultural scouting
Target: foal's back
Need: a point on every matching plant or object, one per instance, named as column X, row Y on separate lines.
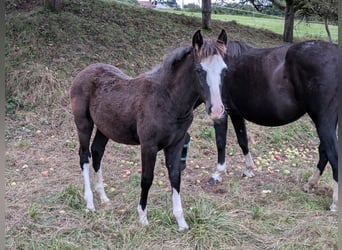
column 112, row 100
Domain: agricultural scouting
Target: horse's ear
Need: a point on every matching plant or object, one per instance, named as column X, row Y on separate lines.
column 197, row 40
column 222, row 38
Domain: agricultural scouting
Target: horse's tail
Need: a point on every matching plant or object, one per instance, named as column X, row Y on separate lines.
column 80, row 94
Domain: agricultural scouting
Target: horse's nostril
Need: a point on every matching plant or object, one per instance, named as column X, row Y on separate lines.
column 222, row 109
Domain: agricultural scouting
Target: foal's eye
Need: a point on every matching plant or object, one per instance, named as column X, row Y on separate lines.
column 198, row 70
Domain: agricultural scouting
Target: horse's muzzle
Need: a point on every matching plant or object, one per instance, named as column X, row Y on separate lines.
column 216, row 112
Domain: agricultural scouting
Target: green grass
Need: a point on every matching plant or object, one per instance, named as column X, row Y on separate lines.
column 302, row 30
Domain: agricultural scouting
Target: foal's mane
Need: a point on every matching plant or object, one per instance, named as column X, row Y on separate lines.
column 236, row 48
column 175, row 56
column 211, row 47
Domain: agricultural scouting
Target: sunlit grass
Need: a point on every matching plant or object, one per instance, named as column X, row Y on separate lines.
column 302, row 30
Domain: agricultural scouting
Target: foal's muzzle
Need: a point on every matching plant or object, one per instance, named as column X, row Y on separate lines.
column 216, row 112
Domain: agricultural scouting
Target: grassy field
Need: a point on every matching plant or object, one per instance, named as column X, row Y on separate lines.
column 44, row 187
column 301, row 30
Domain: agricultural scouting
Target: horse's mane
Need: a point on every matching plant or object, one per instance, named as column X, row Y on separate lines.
column 171, row 59
column 236, row 48
column 211, row 47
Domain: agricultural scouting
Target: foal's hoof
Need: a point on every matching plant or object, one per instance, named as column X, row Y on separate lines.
column 104, row 200
column 307, row 188
column 212, row 181
column 183, row 228
column 90, row 209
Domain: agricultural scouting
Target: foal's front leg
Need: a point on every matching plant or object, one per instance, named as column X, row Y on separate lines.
column 221, row 140
column 148, row 160
column 172, row 154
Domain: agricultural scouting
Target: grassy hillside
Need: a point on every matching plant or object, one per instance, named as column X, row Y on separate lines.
column 301, row 31
column 44, row 186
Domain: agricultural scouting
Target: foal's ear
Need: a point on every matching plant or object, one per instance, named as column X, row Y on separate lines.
column 197, row 40
column 222, row 38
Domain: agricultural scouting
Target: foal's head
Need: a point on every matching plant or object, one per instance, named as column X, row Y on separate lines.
column 210, row 68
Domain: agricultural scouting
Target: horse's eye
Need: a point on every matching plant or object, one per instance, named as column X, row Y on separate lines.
column 198, row 69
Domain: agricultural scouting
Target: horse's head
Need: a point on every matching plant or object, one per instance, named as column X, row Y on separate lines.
column 210, row 68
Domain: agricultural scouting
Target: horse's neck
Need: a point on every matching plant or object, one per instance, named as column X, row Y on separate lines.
column 182, row 94
column 237, row 48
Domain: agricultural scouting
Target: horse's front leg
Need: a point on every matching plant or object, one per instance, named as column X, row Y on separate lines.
column 220, row 127
column 172, row 155
column 241, row 134
column 148, row 160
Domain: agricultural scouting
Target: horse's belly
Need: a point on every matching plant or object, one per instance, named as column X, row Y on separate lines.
column 271, row 117
column 116, row 127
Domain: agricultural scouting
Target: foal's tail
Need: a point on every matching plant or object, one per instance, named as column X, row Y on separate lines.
column 80, row 92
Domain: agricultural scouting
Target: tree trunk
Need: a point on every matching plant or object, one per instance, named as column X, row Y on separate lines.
column 289, row 22
column 55, row 5
column 206, row 14
column 327, row 28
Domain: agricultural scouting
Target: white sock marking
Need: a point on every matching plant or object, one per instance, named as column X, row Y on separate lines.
column 178, row 210
column 249, row 166
column 219, row 169
column 142, row 215
column 88, row 194
column 334, row 205
column 99, row 186
column 314, row 178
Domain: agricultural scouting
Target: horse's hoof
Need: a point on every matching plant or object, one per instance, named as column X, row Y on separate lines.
column 183, row 228
column 104, row 200
column 307, row 188
column 248, row 174
column 143, row 221
column 213, row 181
column 90, row 206
column 89, row 209
column 333, row 208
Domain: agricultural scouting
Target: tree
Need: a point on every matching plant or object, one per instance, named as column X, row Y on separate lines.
column 289, row 21
column 55, row 5
column 206, row 14
column 324, row 9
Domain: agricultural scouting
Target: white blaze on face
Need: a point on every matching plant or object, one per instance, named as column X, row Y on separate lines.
column 214, row 66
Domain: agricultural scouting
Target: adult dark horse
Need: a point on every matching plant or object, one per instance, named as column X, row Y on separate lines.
column 276, row 86
column 154, row 110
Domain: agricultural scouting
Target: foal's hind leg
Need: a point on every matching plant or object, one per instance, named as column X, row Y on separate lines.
column 97, row 150
column 84, row 129
column 241, row 133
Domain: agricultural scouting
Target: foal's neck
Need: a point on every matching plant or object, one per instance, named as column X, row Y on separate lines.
column 183, row 95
